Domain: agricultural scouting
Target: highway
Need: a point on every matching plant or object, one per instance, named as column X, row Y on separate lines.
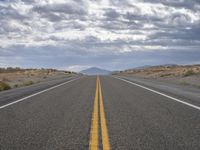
column 99, row 112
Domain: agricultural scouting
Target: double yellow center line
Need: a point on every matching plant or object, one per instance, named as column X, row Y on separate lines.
column 94, row 132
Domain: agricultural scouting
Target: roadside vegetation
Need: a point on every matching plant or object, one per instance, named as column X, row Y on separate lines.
column 166, row 75
column 28, row 83
column 14, row 77
column 190, row 73
column 4, row 86
column 186, row 75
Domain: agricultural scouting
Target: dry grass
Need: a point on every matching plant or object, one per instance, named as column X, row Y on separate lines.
column 190, row 73
column 165, row 71
column 17, row 77
column 4, row 86
column 184, row 75
column 27, row 83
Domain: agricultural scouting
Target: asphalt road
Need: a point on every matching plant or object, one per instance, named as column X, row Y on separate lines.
column 109, row 113
column 17, row 93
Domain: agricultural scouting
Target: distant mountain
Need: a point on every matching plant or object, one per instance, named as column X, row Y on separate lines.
column 143, row 67
column 148, row 66
column 169, row 65
column 95, row 71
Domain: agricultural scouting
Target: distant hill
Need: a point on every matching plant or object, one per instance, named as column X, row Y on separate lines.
column 95, row 71
column 143, row 67
column 149, row 66
column 169, row 65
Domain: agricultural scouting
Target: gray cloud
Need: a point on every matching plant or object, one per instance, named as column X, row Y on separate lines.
column 84, row 31
column 111, row 14
column 11, row 13
column 61, row 11
column 178, row 3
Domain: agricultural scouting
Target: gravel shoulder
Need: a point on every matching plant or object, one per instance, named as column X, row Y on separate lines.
column 187, row 93
column 20, row 92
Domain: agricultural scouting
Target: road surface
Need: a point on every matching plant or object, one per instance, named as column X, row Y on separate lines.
column 99, row 113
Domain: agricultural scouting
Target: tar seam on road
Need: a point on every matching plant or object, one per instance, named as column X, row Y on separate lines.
column 94, row 140
column 94, row 137
column 32, row 95
column 159, row 93
column 104, row 130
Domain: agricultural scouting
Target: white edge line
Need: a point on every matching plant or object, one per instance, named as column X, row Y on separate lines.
column 165, row 95
column 48, row 89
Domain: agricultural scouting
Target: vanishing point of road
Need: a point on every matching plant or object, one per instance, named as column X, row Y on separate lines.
column 98, row 112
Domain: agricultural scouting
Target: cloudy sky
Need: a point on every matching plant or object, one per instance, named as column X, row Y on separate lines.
column 111, row 34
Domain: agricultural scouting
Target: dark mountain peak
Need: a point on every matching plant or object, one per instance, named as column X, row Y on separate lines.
column 95, row 71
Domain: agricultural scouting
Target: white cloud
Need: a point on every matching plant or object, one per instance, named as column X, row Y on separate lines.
column 76, row 68
column 98, row 27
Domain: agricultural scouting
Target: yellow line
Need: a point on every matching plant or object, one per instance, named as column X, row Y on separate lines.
column 94, row 137
column 104, row 130
column 93, row 145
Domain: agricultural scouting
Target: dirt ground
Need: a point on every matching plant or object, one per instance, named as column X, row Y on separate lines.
column 185, row 75
column 31, row 76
